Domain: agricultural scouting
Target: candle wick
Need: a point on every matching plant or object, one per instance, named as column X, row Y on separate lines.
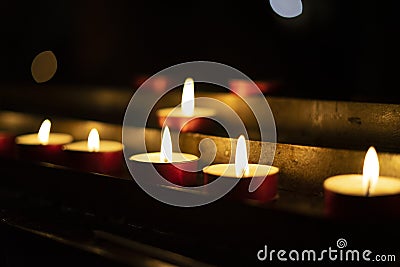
column 243, row 172
column 368, row 188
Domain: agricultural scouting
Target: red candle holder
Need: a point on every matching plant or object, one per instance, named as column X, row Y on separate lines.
column 247, row 88
column 266, row 192
column 107, row 160
column 7, row 145
column 182, row 170
column 157, row 84
column 365, row 196
column 187, row 117
column 176, row 121
column 29, row 148
column 344, row 197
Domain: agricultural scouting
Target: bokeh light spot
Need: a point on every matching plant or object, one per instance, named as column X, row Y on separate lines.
column 287, row 8
column 44, row 66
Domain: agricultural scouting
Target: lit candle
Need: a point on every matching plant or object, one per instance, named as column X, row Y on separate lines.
column 265, row 174
column 95, row 155
column 42, row 146
column 187, row 118
column 363, row 195
column 7, row 145
column 177, row 168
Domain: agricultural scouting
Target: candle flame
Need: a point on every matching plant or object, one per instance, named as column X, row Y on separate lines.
column 166, row 146
column 44, row 132
column 93, row 141
column 241, row 162
column 188, row 97
column 370, row 171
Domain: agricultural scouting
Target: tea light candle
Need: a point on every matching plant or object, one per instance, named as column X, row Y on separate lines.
column 241, row 169
column 188, row 118
column 177, row 168
column 7, row 145
column 42, row 146
column 95, row 155
column 243, row 87
column 363, row 195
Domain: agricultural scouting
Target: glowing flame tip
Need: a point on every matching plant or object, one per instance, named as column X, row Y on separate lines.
column 93, row 141
column 187, row 102
column 44, row 132
column 370, row 171
column 166, row 146
column 241, row 161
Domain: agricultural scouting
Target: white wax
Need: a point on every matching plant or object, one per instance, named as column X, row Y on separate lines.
column 154, row 157
column 228, row 170
column 105, row 146
column 351, row 184
column 54, row 139
column 177, row 112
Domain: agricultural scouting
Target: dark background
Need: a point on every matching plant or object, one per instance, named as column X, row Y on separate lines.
column 344, row 50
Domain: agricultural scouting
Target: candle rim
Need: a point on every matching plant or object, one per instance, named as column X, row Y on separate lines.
column 83, row 143
column 134, row 158
column 177, row 112
column 328, row 187
column 272, row 170
column 32, row 139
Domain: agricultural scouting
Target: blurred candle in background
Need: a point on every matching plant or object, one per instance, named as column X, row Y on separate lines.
column 188, row 117
column 7, row 145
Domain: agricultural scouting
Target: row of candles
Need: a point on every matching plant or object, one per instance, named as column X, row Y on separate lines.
column 345, row 195
column 90, row 155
